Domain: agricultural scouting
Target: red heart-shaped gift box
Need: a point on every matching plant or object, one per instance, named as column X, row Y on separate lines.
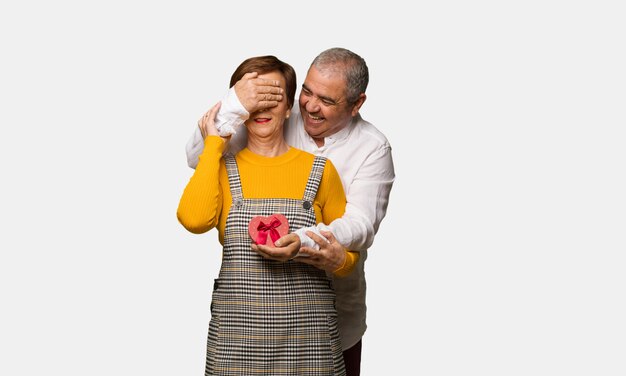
column 266, row 230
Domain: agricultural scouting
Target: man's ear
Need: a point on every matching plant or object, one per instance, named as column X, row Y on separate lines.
column 357, row 105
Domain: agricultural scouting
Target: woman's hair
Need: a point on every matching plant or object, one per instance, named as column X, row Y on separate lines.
column 350, row 65
column 267, row 64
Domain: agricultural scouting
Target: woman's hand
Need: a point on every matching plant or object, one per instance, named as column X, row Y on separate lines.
column 287, row 247
column 207, row 122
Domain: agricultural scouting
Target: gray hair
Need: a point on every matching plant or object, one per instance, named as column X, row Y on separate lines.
column 350, row 65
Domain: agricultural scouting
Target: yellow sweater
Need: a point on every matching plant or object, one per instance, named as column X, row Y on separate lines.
column 206, row 200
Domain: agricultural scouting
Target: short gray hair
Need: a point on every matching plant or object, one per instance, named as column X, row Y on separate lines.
column 350, row 65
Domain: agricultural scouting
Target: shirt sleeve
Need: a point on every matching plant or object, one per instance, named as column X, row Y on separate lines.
column 201, row 203
column 231, row 116
column 194, row 148
column 367, row 200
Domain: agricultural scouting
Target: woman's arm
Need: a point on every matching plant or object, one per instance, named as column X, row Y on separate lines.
column 201, row 203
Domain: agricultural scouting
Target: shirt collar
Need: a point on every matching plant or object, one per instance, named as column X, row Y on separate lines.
column 342, row 134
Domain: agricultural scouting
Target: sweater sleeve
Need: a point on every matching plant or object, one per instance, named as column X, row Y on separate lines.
column 333, row 200
column 352, row 258
column 201, row 203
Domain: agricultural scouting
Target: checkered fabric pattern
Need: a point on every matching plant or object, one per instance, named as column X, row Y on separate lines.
column 269, row 317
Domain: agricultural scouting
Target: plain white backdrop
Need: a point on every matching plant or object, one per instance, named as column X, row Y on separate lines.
column 502, row 252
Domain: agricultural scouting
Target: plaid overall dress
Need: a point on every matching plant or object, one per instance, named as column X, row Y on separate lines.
column 269, row 317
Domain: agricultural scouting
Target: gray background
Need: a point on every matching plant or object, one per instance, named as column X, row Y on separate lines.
column 503, row 248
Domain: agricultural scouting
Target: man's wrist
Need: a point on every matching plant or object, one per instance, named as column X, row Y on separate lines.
column 231, row 114
column 305, row 241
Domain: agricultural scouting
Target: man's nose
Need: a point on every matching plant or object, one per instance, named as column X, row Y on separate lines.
column 312, row 104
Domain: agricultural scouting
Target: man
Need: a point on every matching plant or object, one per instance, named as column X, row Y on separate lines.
column 328, row 124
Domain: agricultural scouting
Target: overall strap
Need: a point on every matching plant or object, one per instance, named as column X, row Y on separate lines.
column 233, row 179
column 314, row 181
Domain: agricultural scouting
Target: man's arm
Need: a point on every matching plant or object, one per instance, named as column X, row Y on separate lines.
column 230, row 117
column 248, row 95
column 368, row 197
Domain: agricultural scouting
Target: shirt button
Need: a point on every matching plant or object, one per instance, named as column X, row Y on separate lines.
column 307, row 205
column 238, row 202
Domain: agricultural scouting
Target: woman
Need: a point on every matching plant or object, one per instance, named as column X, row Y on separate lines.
column 267, row 317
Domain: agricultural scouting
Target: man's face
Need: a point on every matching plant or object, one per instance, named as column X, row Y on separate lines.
column 323, row 104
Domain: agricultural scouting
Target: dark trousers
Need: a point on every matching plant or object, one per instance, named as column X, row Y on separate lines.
column 352, row 360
